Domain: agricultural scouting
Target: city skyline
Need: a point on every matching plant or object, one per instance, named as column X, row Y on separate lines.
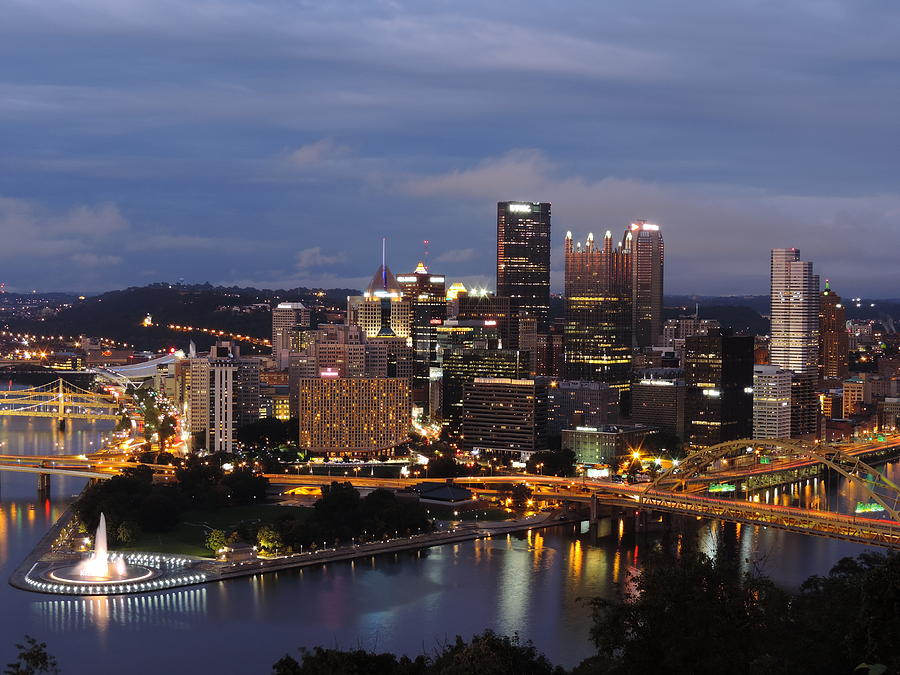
column 262, row 171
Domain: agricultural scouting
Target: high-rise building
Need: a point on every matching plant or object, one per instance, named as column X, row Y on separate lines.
column 461, row 366
column 647, row 265
column 718, row 373
column 523, row 258
column 427, row 295
column 771, row 402
column 658, row 400
column 504, row 416
column 834, row 340
column 353, row 416
column 598, row 328
column 223, row 395
column 289, row 320
column 572, row 403
column 493, row 310
column 794, row 344
column 381, row 311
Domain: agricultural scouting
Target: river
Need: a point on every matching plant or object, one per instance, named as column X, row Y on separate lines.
column 531, row 583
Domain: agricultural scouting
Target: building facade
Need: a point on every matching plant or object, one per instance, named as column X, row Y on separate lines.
column 598, row 328
column 504, row 416
column 523, row 258
column 834, row 340
column 647, row 266
column 794, row 343
column 427, row 295
column 354, row 416
column 289, row 321
column 718, row 374
column 771, row 402
column 658, row 400
column 462, row 366
column 607, row 445
column 381, row 311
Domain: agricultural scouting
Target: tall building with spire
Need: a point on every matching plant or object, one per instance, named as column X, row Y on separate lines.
column 794, row 343
column 598, row 323
column 427, row 296
column 523, row 258
column 381, row 311
column 834, row 349
column 645, row 242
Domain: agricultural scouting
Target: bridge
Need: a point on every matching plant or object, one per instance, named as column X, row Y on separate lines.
column 679, row 489
column 59, row 400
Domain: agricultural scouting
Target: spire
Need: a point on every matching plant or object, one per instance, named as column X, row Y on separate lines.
column 383, row 264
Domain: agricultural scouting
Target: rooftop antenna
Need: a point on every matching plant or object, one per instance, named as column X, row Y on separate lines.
column 425, row 246
column 383, row 266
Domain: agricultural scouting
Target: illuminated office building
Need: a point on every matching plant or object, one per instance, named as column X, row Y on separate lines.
column 427, row 296
column 289, row 321
column 381, row 311
column 718, row 373
column 834, row 340
column 523, row 258
column 354, row 416
column 647, row 265
column 598, row 328
column 794, row 344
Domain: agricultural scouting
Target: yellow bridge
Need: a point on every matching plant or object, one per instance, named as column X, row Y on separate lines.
column 59, row 400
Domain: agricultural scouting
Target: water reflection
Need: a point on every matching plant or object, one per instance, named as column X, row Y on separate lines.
column 175, row 609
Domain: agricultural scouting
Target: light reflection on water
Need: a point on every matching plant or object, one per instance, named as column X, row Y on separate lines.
column 530, row 583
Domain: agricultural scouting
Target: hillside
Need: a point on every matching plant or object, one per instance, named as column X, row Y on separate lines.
column 119, row 315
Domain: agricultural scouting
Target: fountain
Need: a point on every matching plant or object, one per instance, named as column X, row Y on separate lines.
column 101, row 567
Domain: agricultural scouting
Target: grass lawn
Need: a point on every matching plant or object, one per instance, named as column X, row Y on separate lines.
column 446, row 513
column 189, row 536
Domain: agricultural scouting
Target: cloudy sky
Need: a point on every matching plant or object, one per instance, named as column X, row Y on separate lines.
column 275, row 143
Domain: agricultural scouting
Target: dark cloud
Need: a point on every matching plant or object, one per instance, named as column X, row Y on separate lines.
column 219, row 138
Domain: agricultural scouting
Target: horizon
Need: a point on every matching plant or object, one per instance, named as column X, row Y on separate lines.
column 145, row 143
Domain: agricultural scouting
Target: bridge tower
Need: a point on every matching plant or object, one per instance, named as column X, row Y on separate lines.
column 61, row 401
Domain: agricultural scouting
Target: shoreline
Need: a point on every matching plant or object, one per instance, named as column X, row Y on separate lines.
column 211, row 570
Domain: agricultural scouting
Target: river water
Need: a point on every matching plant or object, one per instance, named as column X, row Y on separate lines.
column 531, row 583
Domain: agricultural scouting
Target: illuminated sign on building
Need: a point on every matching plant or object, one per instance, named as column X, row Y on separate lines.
column 520, row 208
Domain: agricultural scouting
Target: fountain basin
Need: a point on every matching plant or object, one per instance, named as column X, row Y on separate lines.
column 72, row 575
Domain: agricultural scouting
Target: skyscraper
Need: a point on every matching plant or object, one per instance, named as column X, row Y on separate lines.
column 523, row 258
column 834, row 351
column 289, row 319
column 645, row 242
column 381, row 311
column 794, row 344
column 771, row 402
column 718, row 372
column 598, row 340
column 427, row 295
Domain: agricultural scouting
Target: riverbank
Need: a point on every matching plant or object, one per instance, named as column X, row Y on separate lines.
column 197, row 570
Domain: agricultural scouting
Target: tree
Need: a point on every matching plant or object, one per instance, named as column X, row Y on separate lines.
column 492, row 654
column 33, row 659
column 664, row 444
column 128, row 532
column 269, row 538
column 215, row 540
column 552, row 462
column 691, row 613
column 166, row 429
column 520, row 494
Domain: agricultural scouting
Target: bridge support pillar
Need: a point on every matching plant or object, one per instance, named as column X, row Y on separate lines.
column 61, row 423
column 43, row 486
column 595, row 510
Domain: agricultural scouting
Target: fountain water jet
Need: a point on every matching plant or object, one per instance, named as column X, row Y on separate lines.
column 98, row 566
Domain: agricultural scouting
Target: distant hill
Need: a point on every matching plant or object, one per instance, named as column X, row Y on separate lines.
column 119, row 314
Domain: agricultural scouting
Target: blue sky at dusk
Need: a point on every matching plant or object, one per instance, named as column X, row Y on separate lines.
column 274, row 143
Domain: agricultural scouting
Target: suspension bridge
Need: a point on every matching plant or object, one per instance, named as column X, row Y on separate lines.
column 59, row 400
